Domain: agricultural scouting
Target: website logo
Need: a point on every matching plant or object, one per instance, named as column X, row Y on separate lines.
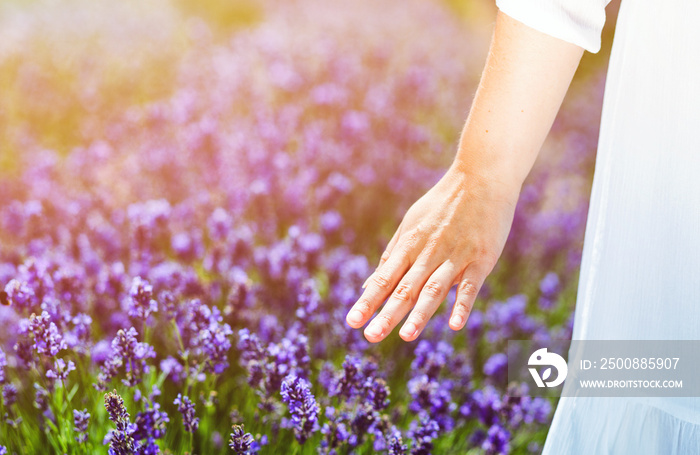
column 541, row 358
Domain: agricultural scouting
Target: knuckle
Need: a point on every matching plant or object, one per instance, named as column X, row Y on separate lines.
column 411, row 239
column 381, row 281
column 431, row 246
column 403, row 292
column 384, row 320
column 462, row 307
column 385, row 256
column 419, row 317
column 434, row 289
column 364, row 306
column 467, row 289
column 487, row 256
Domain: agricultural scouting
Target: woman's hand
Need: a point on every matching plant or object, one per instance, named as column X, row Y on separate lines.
column 454, row 234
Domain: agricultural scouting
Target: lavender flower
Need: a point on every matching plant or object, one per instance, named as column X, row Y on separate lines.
column 9, row 395
column 60, row 370
column 3, row 364
column 350, row 380
column 296, row 393
column 150, row 425
column 496, row 442
column 433, row 397
column 362, row 423
column 47, row 339
column 140, row 303
column 81, row 420
column 240, row 441
column 496, row 367
column 129, row 353
column 334, row 431
column 431, row 359
column 19, row 294
column 120, row 441
column 186, row 408
column 397, row 447
column 41, row 401
column 549, row 287
column 208, row 337
column 423, row 432
column 378, row 393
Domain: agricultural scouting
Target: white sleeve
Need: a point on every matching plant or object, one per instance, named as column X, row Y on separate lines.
column 577, row 21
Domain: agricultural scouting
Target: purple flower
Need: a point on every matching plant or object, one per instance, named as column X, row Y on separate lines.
column 214, row 343
column 41, row 401
column 116, row 411
column 186, row 408
column 207, row 336
column 509, row 319
column 423, row 431
column 486, row 404
column 171, row 367
column 9, row 395
column 334, row 431
column 362, row 423
column 296, row 393
column 397, row 447
column 331, row 222
column 549, row 284
column 496, row 367
column 431, row 359
column 140, row 303
column 81, row 420
column 433, row 397
column 47, row 339
column 20, row 294
column 475, row 324
column 496, row 442
column 549, row 287
column 81, row 332
column 101, row 351
column 520, row 408
column 378, row 393
column 60, row 370
column 350, row 380
column 240, row 441
column 150, row 424
column 3, row 364
column 129, row 353
column 120, row 441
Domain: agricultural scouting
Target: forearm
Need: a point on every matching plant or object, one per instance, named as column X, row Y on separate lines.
column 526, row 76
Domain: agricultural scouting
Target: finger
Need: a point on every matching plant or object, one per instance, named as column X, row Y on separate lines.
column 401, row 301
column 378, row 289
column 385, row 255
column 468, row 288
column 431, row 296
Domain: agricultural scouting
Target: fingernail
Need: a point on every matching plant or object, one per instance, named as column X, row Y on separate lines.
column 373, row 331
column 355, row 317
column 364, row 285
column 456, row 320
column 409, row 329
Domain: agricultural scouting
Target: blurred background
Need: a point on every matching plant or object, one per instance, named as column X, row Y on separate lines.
column 221, row 176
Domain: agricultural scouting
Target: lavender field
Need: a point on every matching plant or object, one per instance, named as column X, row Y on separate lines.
column 191, row 198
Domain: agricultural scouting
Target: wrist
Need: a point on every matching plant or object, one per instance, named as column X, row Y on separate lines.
column 498, row 183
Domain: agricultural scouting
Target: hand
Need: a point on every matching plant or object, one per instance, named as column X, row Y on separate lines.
column 454, row 234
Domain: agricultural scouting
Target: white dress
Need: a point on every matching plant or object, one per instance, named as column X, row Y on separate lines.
column 640, row 272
